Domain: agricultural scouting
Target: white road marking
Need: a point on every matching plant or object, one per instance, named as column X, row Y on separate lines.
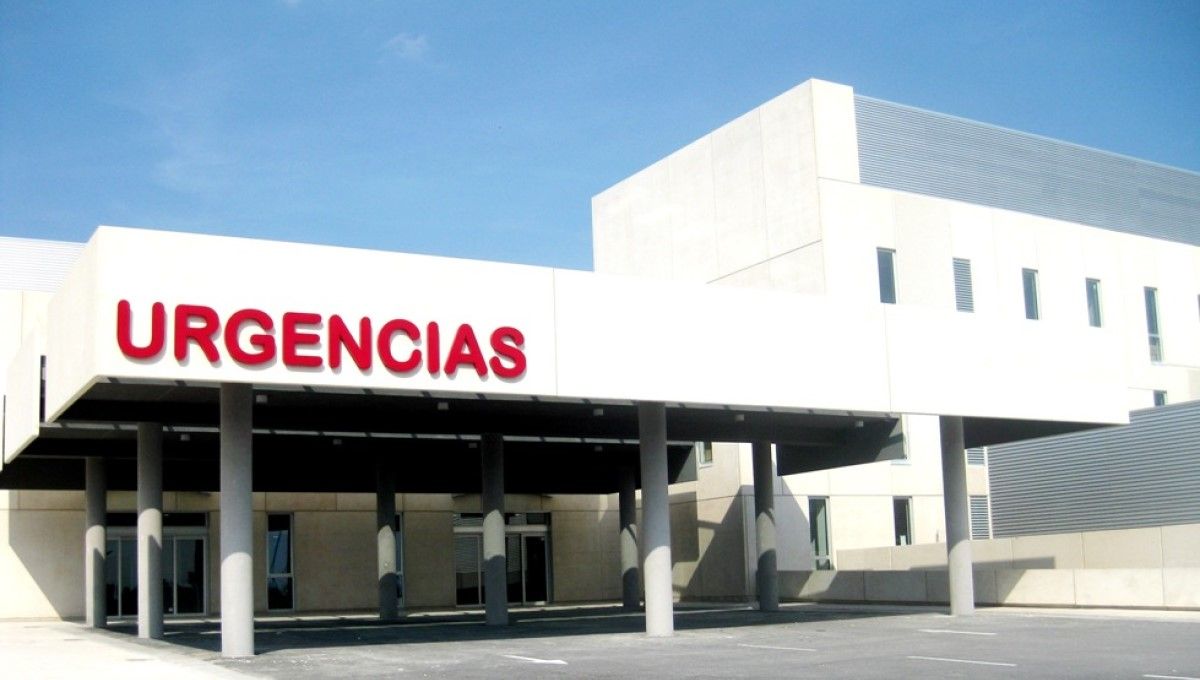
column 530, row 659
column 977, row 663
column 955, row 632
column 786, row 649
column 1170, row 677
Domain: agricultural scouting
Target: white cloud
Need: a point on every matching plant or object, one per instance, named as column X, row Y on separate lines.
column 407, row 46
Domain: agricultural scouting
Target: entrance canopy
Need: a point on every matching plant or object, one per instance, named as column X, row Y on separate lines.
column 381, row 351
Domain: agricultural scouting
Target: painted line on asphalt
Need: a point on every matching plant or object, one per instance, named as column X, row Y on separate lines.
column 1170, row 677
column 954, row 632
column 530, row 659
column 970, row 661
column 785, row 649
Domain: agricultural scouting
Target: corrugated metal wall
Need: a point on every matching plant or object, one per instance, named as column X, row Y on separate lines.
column 908, row 149
column 1146, row 473
column 34, row 264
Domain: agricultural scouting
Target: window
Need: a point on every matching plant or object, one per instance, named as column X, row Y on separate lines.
column 902, row 515
column 1160, row 397
column 1156, row 350
column 398, row 532
column 981, row 524
column 280, row 591
column 1029, row 279
column 977, row 456
column 704, row 453
column 1093, row 303
column 887, row 275
column 964, row 295
column 818, row 531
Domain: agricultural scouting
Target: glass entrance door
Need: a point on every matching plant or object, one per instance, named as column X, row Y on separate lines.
column 526, row 557
column 183, row 575
column 536, row 575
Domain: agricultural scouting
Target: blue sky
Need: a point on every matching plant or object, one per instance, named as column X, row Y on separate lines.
column 484, row 129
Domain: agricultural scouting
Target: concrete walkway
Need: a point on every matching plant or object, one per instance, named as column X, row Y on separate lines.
column 52, row 650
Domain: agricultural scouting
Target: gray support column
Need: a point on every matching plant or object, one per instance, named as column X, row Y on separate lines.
column 958, row 517
column 656, row 520
column 627, row 501
column 149, row 531
column 385, row 538
column 237, row 521
column 491, row 504
column 94, row 601
column 764, row 528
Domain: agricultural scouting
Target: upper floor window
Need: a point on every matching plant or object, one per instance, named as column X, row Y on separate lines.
column 887, row 275
column 1029, row 279
column 1093, row 302
column 1160, row 397
column 1156, row 352
column 964, row 295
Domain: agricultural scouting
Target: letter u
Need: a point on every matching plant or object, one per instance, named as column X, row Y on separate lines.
column 158, row 331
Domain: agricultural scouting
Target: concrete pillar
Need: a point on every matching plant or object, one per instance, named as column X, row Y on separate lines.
column 656, row 520
column 627, row 500
column 764, row 528
column 958, row 517
column 491, row 504
column 237, row 521
column 149, row 531
column 94, row 543
column 385, row 538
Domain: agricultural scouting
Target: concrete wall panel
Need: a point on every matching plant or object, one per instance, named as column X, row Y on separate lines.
column 41, row 563
column 1053, row 587
column 1181, row 546
column 334, row 560
column 1119, row 587
column 1123, row 548
column 1181, row 587
column 429, row 559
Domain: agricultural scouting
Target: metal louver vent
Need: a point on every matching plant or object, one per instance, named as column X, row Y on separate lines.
column 977, row 456
column 964, row 295
column 980, row 528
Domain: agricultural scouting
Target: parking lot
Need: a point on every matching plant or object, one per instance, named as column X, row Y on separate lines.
column 803, row 640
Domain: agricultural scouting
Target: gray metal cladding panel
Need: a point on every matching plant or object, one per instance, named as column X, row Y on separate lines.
column 34, row 264
column 908, row 149
column 1143, row 474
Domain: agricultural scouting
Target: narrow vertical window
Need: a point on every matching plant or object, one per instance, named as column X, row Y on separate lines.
column 1029, row 279
column 818, row 532
column 1156, row 350
column 280, row 591
column 1160, row 397
column 1093, row 303
column 902, row 516
column 704, row 453
column 887, row 275
column 964, row 294
column 398, row 532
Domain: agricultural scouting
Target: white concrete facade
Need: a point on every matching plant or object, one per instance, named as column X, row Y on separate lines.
column 772, row 200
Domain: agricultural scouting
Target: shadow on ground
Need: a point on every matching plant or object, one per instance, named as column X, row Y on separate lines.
column 274, row 634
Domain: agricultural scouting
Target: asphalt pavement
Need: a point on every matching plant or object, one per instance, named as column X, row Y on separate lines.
column 801, row 641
